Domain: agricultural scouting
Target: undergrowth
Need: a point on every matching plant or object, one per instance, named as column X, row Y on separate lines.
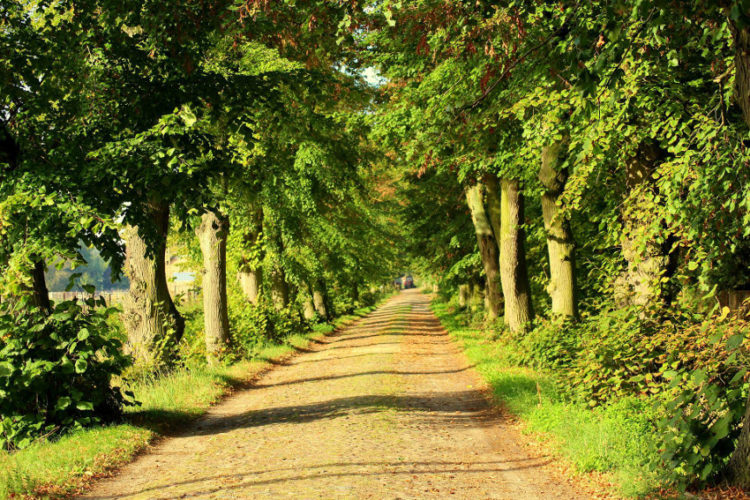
column 616, row 439
column 168, row 401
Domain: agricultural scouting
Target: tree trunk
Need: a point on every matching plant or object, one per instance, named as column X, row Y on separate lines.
column 250, row 280
column 212, row 234
column 319, row 300
column 279, row 287
column 738, row 469
column 477, row 296
column 308, row 305
column 150, row 317
column 250, row 273
column 40, row 293
column 560, row 244
column 515, row 280
column 463, row 295
column 647, row 258
column 488, row 248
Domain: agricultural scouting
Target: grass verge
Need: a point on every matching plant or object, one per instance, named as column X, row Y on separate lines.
column 613, row 440
column 67, row 465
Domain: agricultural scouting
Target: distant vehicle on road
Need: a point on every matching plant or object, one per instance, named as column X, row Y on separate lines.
column 408, row 282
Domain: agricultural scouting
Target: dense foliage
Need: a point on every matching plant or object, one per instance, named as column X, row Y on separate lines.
column 575, row 173
column 56, row 371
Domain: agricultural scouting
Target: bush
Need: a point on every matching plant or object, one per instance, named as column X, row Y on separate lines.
column 56, row 370
column 254, row 326
column 690, row 368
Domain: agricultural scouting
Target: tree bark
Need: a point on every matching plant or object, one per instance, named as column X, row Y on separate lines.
column 250, row 273
column 738, row 468
column 560, row 244
column 308, row 305
column 212, row 234
column 488, row 248
column 515, row 280
column 647, row 259
column 463, row 295
column 149, row 315
column 250, row 281
column 319, row 300
column 40, row 293
column 279, row 287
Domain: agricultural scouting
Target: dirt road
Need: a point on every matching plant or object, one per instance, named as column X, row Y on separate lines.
column 388, row 408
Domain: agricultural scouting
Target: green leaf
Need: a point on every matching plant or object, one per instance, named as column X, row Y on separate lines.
column 6, row 369
column 735, row 341
column 81, row 365
column 83, row 334
column 85, row 405
column 62, row 403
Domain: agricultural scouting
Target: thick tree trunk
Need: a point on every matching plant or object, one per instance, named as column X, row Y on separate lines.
column 150, row 317
column 647, row 258
column 515, row 280
column 212, row 234
column 738, row 469
column 560, row 244
column 488, row 248
column 279, row 287
column 319, row 300
column 40, row 293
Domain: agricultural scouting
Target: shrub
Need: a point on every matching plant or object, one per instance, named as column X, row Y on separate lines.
column 56, row 370
column 254, row 326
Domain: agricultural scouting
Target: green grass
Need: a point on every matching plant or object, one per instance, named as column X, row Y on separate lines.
column 614, row 440
column 66, row 465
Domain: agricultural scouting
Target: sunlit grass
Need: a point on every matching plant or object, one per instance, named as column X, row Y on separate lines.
column 614, row 440
column 66, row 465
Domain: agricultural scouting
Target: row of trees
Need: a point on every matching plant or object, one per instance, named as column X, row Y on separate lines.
column 591, row 156
column 229, row 126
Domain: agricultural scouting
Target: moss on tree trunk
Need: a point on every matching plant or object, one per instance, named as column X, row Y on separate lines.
column 212, row 234
column 560, row 244
column 488, row 248
column 515, row 280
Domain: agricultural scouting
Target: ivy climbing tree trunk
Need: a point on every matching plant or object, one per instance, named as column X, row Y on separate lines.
column 319, row 299
column 488, row 248
column 212, row 234
column 644, row 245
column 515, row 280
column 151, row 319
column 560, row 244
